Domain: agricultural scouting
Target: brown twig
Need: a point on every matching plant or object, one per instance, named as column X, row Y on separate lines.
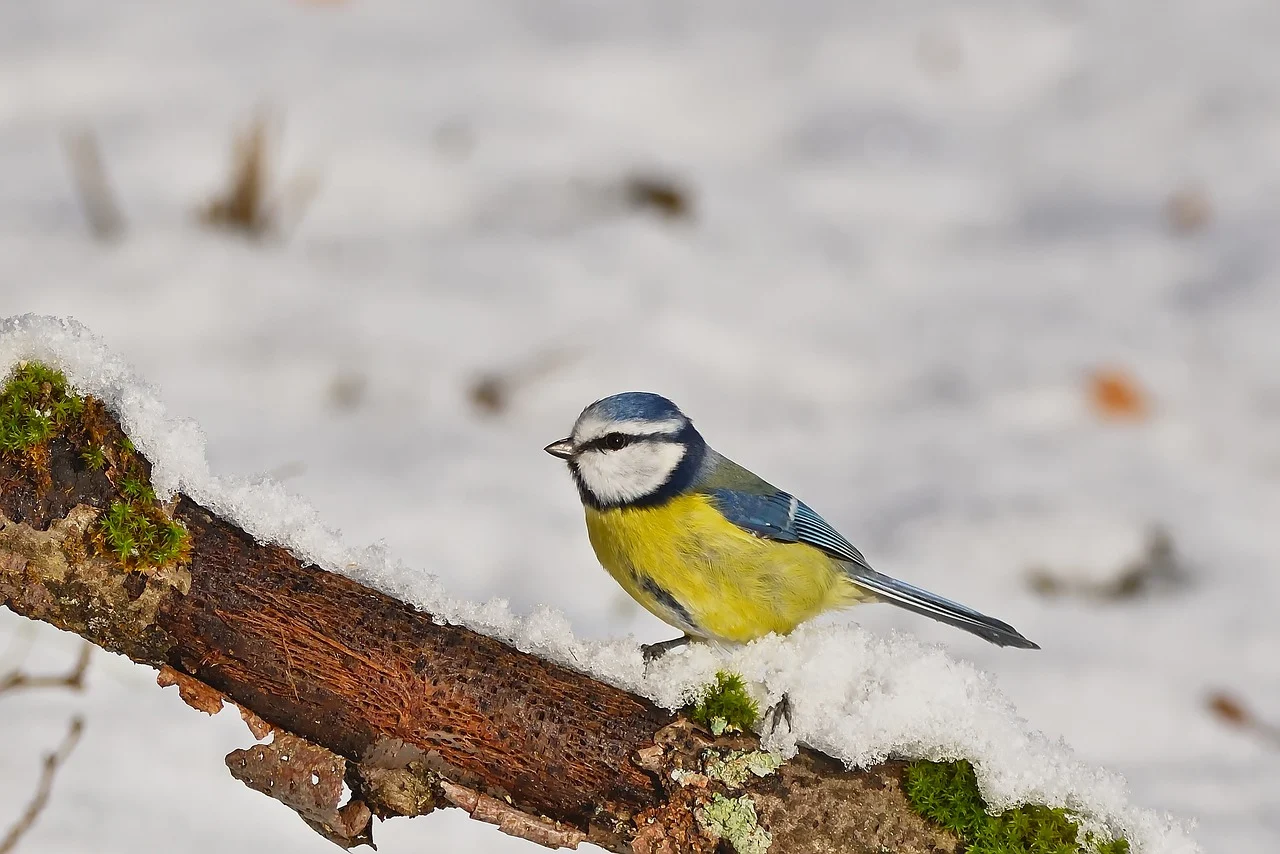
column 52, row 762
column 73, row 679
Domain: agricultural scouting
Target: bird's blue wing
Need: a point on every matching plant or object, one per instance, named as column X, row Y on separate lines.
column 771, row 516
column 766, row 511
column 783, row 517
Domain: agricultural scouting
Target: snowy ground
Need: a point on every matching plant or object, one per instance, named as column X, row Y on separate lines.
column 917, row 229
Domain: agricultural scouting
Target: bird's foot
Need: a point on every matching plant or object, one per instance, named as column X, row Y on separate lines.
column 776, row 714
column 656, row 650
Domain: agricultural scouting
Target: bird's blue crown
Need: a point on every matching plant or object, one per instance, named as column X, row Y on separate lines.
column 636, row 406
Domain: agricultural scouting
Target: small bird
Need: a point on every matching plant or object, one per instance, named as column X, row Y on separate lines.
column 712, row 549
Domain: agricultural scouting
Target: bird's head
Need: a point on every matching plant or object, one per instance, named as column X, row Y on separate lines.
column 633, row 448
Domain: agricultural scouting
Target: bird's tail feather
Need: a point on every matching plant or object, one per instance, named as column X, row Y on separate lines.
column 912, row 598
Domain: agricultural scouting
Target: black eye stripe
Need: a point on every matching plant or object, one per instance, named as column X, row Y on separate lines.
column 618, row 441
column 611, row 442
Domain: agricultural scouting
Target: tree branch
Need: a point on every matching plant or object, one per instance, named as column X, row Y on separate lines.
column 412, row 715
column 73, row 679
column 52, row 762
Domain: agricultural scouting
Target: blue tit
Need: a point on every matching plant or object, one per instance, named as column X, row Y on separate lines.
column 712, row 549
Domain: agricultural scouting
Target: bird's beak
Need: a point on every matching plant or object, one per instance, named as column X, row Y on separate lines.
column 562, row 449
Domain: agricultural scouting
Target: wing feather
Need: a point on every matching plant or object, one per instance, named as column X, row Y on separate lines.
column 783, row 517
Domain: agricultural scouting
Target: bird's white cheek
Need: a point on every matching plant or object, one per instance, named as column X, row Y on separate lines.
column 630, row 473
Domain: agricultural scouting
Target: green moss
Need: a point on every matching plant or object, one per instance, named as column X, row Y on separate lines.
column 725, row 706
column 139, row 534
column 947, row 793
column 135, row 530
column 95, row 457
column 734, row 820
column 34, row 404
column 137, row 489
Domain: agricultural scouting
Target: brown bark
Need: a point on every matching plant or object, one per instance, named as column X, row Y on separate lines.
column 413, row 715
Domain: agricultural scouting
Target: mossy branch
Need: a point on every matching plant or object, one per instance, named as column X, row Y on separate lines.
column 364, row 690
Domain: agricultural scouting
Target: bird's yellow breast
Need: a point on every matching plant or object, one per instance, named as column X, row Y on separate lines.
column 696, row 570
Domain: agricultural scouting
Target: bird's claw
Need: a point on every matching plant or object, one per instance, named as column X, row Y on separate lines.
column 776, row 714
column 657, row 650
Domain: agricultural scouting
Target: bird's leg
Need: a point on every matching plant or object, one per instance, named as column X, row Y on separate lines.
column 776, row 714
column 654, row 650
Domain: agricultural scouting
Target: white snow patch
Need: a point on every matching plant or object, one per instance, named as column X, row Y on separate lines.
column 854, row 695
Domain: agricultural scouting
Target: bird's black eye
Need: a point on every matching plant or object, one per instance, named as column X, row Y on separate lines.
column 615, row 441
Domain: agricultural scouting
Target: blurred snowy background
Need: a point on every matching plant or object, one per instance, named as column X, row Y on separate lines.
column 991, row 285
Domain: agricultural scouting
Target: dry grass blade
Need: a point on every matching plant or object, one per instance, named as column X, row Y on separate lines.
column 245, row 205
column 73, row 679
column 94, row 191
column 52, row 762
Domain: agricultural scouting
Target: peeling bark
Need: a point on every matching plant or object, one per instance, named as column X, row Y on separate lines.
column 510, row 820
column 307, row 779
column 194, row 693
column 356, row 687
